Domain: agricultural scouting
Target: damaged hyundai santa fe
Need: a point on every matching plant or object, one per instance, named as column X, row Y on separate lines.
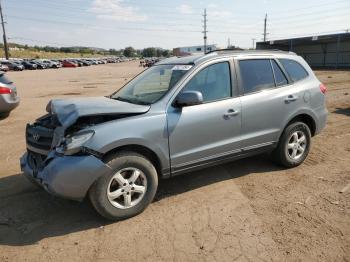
column 180, row 115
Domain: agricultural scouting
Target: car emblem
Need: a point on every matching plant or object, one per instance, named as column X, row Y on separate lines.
column 36, row 136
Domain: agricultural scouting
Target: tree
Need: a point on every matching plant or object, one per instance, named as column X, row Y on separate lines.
column 112, row 51
column 166, row 53
column 129, row 51
column 149, row 52
column 159, row 52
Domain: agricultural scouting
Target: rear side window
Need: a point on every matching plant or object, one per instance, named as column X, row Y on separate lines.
column 280, row 78
column 256, row 75
column 294, row 69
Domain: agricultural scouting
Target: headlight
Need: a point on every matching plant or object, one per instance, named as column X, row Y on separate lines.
column 73, row 143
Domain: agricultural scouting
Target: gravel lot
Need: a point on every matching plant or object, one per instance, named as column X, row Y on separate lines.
column 249, row 210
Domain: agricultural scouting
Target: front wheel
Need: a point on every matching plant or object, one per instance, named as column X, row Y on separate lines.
column 128, row 189
column 294, row 145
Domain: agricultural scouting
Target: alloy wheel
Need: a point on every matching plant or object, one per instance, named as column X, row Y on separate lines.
column 127, row 188
column 296, row 146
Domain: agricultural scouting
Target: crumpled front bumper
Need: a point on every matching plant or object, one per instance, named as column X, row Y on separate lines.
column 66, row 176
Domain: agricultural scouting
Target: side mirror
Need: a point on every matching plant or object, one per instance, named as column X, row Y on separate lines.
column 189, row 98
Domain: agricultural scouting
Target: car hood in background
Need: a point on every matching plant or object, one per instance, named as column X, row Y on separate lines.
column 69, row 110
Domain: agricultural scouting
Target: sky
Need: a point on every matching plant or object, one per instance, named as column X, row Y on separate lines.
column 168, row 24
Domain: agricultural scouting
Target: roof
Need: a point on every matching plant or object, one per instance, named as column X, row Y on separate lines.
column 196, row 59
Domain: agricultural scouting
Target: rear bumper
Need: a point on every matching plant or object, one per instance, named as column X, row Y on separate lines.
column 65, row 176
column 322, row 115
column 8, row 103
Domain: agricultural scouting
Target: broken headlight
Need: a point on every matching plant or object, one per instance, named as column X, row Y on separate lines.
column 73, row 144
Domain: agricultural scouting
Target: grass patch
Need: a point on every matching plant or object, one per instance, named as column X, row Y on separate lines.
column 44, row 55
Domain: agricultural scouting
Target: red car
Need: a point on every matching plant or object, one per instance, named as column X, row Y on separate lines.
column 67, row 63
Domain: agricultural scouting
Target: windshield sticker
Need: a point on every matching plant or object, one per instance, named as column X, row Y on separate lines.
column 182, row 67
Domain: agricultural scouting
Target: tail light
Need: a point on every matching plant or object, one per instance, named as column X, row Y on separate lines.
column 5, row 90
column 323, row 88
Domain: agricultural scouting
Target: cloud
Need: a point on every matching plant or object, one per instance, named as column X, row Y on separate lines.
column 185, row 9
column 214, row 11
column 212, row 6
column 115, row 10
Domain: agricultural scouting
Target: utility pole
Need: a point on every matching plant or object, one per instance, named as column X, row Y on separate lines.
column 4, row 34
column 253, row 39
column 265, row 27
column 205, row 30
column 228, row 43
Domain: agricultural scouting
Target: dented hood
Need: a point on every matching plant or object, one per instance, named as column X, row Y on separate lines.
column 69, row 110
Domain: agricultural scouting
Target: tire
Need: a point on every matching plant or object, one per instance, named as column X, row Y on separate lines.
column 4, row 115
column 291, row 142
column 126, row 165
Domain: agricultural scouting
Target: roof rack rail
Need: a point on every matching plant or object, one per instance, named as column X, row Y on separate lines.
column 245, row 50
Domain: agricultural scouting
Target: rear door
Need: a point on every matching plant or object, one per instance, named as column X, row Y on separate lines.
column 264, row 87
column 209, row 131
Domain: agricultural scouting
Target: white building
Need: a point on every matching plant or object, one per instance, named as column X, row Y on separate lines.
column 191, row 50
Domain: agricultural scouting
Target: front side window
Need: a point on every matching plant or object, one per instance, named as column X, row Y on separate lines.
column 294, row 69
column 151, row 84
column 256, row 75
column 214, row 82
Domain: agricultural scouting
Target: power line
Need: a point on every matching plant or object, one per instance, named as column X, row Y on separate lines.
column 90, row 9
column 102, row 28
column 132, row 22
column 297, row 17
column 135, row 1
column 214, row 23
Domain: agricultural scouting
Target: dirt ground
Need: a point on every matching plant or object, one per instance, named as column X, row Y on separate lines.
column 249, row 210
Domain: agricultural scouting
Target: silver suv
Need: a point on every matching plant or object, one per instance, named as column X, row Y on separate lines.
column 180, row 115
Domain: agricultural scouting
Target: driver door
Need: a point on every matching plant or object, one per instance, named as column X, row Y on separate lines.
column 207, row 132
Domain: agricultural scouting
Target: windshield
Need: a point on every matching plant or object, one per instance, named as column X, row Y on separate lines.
column 152, row 84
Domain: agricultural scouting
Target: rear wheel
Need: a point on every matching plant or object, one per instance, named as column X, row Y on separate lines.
column 294, row 145
column 128, row 189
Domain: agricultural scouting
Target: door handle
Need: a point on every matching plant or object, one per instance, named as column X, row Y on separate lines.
column 230, row 113
column 290, row 98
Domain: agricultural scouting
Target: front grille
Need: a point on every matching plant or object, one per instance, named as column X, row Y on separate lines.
column 39, row 137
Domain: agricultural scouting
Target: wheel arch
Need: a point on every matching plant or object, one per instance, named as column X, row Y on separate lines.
column 140, row 149
column 305, row 118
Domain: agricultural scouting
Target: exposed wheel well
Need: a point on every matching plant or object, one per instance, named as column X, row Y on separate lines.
column 146, row 152
column 307, row 119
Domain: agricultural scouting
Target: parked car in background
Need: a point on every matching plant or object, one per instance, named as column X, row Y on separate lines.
column 94, row 62
column 4, row 68
column 29, row 66
column 13, row 65
column 85, row 62
column 49, row 64
column 68, row 63
column 9, row 99
column 39, row 65
column 57, row 63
